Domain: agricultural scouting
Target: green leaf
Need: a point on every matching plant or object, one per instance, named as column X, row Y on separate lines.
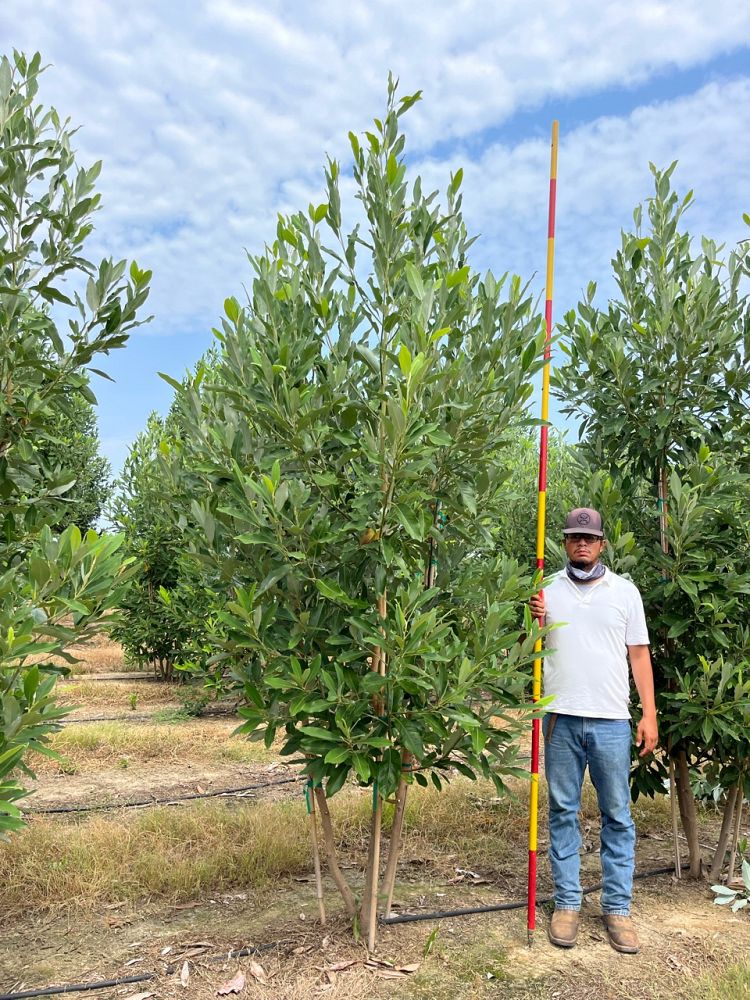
column 414, row 279
column 320, row 734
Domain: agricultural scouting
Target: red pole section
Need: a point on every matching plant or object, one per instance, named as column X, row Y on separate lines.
column 541, row 522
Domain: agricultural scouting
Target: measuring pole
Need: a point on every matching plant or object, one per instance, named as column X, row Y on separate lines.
column 541, row 521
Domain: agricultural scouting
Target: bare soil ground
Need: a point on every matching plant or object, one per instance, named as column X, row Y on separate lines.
column 686, row 946
column 691, row 949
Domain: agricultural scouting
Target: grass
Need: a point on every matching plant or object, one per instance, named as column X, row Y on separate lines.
column 96, row 695
column 731, row 984
column 176, row 853
column 91, row 746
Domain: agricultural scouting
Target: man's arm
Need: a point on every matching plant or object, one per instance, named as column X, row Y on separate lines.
column 640, row 664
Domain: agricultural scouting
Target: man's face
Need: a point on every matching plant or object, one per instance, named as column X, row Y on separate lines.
column 583, row 550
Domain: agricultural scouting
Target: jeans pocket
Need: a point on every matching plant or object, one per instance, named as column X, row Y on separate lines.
column 548, row 725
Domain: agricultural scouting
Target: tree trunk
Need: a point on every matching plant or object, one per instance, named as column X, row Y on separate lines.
column 329, row 847
column 726, row 829
column 686, row 801
column 394, row 848
column 673, row 813
column 737, row 828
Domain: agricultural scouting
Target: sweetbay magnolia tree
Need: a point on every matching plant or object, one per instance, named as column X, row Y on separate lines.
column 342, row 467
column 54, row 589
column 660, row 383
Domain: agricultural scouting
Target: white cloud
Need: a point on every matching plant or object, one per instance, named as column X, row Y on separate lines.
column 602, row 174
column 211, row 117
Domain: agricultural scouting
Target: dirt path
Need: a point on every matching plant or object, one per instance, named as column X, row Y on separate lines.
column 149, row 781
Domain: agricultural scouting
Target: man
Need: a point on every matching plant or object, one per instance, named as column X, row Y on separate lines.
column 601, row 625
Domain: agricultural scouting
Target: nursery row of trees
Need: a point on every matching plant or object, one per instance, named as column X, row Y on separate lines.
column 334, row 521
column 57, row 582
column 358, row 483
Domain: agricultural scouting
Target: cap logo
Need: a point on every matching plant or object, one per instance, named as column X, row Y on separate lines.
column 583, row 517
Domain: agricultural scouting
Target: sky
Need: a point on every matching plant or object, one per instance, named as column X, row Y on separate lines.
column 211, row 118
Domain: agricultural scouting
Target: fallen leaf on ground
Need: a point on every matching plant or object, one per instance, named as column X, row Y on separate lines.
column 194, row 950
column 234, row 985
column 258, row 972
column 185, row 974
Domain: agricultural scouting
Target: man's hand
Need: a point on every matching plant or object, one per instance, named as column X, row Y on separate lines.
column 537, row 605
column 647, row 735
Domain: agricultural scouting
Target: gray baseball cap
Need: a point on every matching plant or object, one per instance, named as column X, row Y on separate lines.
column 584, row 520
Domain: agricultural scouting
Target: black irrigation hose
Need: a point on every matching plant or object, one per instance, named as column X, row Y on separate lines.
column 79, row 987
column 57, row 810
column 408, row 918
column 106, row 718
column 128, row 980
column 142, row 717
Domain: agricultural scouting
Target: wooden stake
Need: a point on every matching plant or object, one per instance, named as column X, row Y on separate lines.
column 316, row 853
column 372, row 916
column 329, row 845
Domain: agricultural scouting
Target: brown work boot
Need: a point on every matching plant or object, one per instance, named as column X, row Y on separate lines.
column 563, row 928
column 622, row 935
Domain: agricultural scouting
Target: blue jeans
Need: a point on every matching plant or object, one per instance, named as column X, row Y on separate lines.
column 570, row 743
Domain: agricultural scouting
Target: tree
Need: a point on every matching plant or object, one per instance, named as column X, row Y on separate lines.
column 53, row 590
column 516, row 528
column 73, row 448
column 345, row 469
column 659, row 382
column 166, row 605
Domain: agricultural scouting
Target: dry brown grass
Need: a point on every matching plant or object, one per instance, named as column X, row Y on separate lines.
column 99, row 655
column 175, row 854
column 91, row 746
column 193, row 854
column 54, row 861
column 116, row 695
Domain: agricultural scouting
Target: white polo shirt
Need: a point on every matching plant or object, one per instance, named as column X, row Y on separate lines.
column 586, row 668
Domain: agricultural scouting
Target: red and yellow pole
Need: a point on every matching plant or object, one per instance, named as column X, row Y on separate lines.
column 541, row 521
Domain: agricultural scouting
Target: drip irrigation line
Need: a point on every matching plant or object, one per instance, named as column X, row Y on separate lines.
column 102, row 806
column 144, row 977
column 79, row 987
column 141, row 717
column 408, row 918
column 106, row 718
